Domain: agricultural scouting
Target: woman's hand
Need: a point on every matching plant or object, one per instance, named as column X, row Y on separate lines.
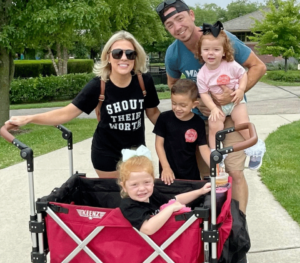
column 19, row 120
column 167, row 176
column 206, row 188
column 215, row 114
column 238, row 96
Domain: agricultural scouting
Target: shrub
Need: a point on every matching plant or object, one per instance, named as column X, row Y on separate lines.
column 280, row 65
column 43, row 89
column 35, row 68
column 289, row 76
column 161, row 87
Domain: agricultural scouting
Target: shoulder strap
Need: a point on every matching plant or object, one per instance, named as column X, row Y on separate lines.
column 102, row 91
column 101, row 99
column 141, row 82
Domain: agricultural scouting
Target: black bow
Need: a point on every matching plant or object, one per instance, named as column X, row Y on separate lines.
column 213, row 29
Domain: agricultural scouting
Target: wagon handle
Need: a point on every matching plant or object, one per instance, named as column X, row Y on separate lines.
column 4, row 132
column 248, row 143
column 66, row 134
column 220, row 136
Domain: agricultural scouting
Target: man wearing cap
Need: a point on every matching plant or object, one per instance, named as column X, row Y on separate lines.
column 180, row 58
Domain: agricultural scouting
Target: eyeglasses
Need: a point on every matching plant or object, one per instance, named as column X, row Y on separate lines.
column 162, row 5
column 118, row 53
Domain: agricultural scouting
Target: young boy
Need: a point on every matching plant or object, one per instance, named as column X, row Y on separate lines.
column 178, row 133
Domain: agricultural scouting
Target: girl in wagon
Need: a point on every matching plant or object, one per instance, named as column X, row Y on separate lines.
column 139, row 195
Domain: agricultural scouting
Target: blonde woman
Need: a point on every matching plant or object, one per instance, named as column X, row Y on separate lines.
column 122, row 111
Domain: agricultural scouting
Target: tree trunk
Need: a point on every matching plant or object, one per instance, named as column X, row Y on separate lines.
column 65, row 61
column 285, row 64
column 53, row 61
column 60, row 62
column 6, row 76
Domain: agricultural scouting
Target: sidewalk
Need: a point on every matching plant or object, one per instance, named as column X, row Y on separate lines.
column 275, row 237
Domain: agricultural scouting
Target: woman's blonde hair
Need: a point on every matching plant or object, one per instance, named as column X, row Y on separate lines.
column 228, row 49
column 133, row 164
column 102, row 69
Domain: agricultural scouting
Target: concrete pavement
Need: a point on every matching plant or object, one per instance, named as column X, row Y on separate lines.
column 275, row 237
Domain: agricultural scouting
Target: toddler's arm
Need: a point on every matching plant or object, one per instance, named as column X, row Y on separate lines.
column 167, row 174
column 238, row 94
column 150, row 226
column 188, row 197
column 216, row 112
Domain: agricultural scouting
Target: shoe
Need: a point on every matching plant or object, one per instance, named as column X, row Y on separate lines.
column 222, row 164
column 255, row 162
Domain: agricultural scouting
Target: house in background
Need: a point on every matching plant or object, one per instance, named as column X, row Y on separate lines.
column 241, row 28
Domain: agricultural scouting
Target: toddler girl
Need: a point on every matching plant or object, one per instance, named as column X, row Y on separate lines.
column 215, row 50
column 139, row 197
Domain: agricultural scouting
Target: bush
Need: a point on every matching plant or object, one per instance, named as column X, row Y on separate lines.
column 289, row 76
column 161, row 87
column 43, row 89
column 280, row 65
column 35, row 68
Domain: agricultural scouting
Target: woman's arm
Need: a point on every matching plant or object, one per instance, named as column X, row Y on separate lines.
column 54, row 117
column 152, row 114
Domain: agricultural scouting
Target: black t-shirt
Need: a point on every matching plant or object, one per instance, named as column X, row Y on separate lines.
column 122, row 113
column 180, row 141
column 138, row 212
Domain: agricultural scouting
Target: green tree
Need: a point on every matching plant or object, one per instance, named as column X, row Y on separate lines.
column 209, row 13
column 240, row 8
column 279, row 33
column 58, row 24
column 8, row 43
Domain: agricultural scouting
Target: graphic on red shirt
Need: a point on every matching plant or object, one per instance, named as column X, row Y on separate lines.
column 191, row 135
column 223, row 80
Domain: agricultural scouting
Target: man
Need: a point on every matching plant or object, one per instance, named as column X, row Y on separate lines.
column 178, row 19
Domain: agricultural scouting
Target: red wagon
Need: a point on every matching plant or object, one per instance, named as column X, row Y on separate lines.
column 81, row 222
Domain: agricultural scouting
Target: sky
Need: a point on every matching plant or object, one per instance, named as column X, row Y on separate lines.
column 220, row 3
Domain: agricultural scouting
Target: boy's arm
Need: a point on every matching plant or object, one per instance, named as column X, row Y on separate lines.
column 167, row 174
column 150, row 226
column 205, row 153
column 188, row 197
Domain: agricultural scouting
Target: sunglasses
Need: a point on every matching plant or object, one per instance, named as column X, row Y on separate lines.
column 164, row 4
column 118, row 53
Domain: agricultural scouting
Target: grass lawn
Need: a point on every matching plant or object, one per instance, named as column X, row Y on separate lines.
column 280, row 171
column 44, row 139
column 40, row 105
column 278, row 83
column 161, row 96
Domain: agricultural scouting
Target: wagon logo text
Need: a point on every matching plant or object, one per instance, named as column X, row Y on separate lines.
column 90, row 214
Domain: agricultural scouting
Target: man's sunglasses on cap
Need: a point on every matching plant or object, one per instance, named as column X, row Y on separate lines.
column 179, row 5
column 118, row 53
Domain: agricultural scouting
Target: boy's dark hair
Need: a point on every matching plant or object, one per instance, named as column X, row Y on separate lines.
column 185, row 86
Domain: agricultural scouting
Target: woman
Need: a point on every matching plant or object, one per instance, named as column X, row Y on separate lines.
column 122, row 112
